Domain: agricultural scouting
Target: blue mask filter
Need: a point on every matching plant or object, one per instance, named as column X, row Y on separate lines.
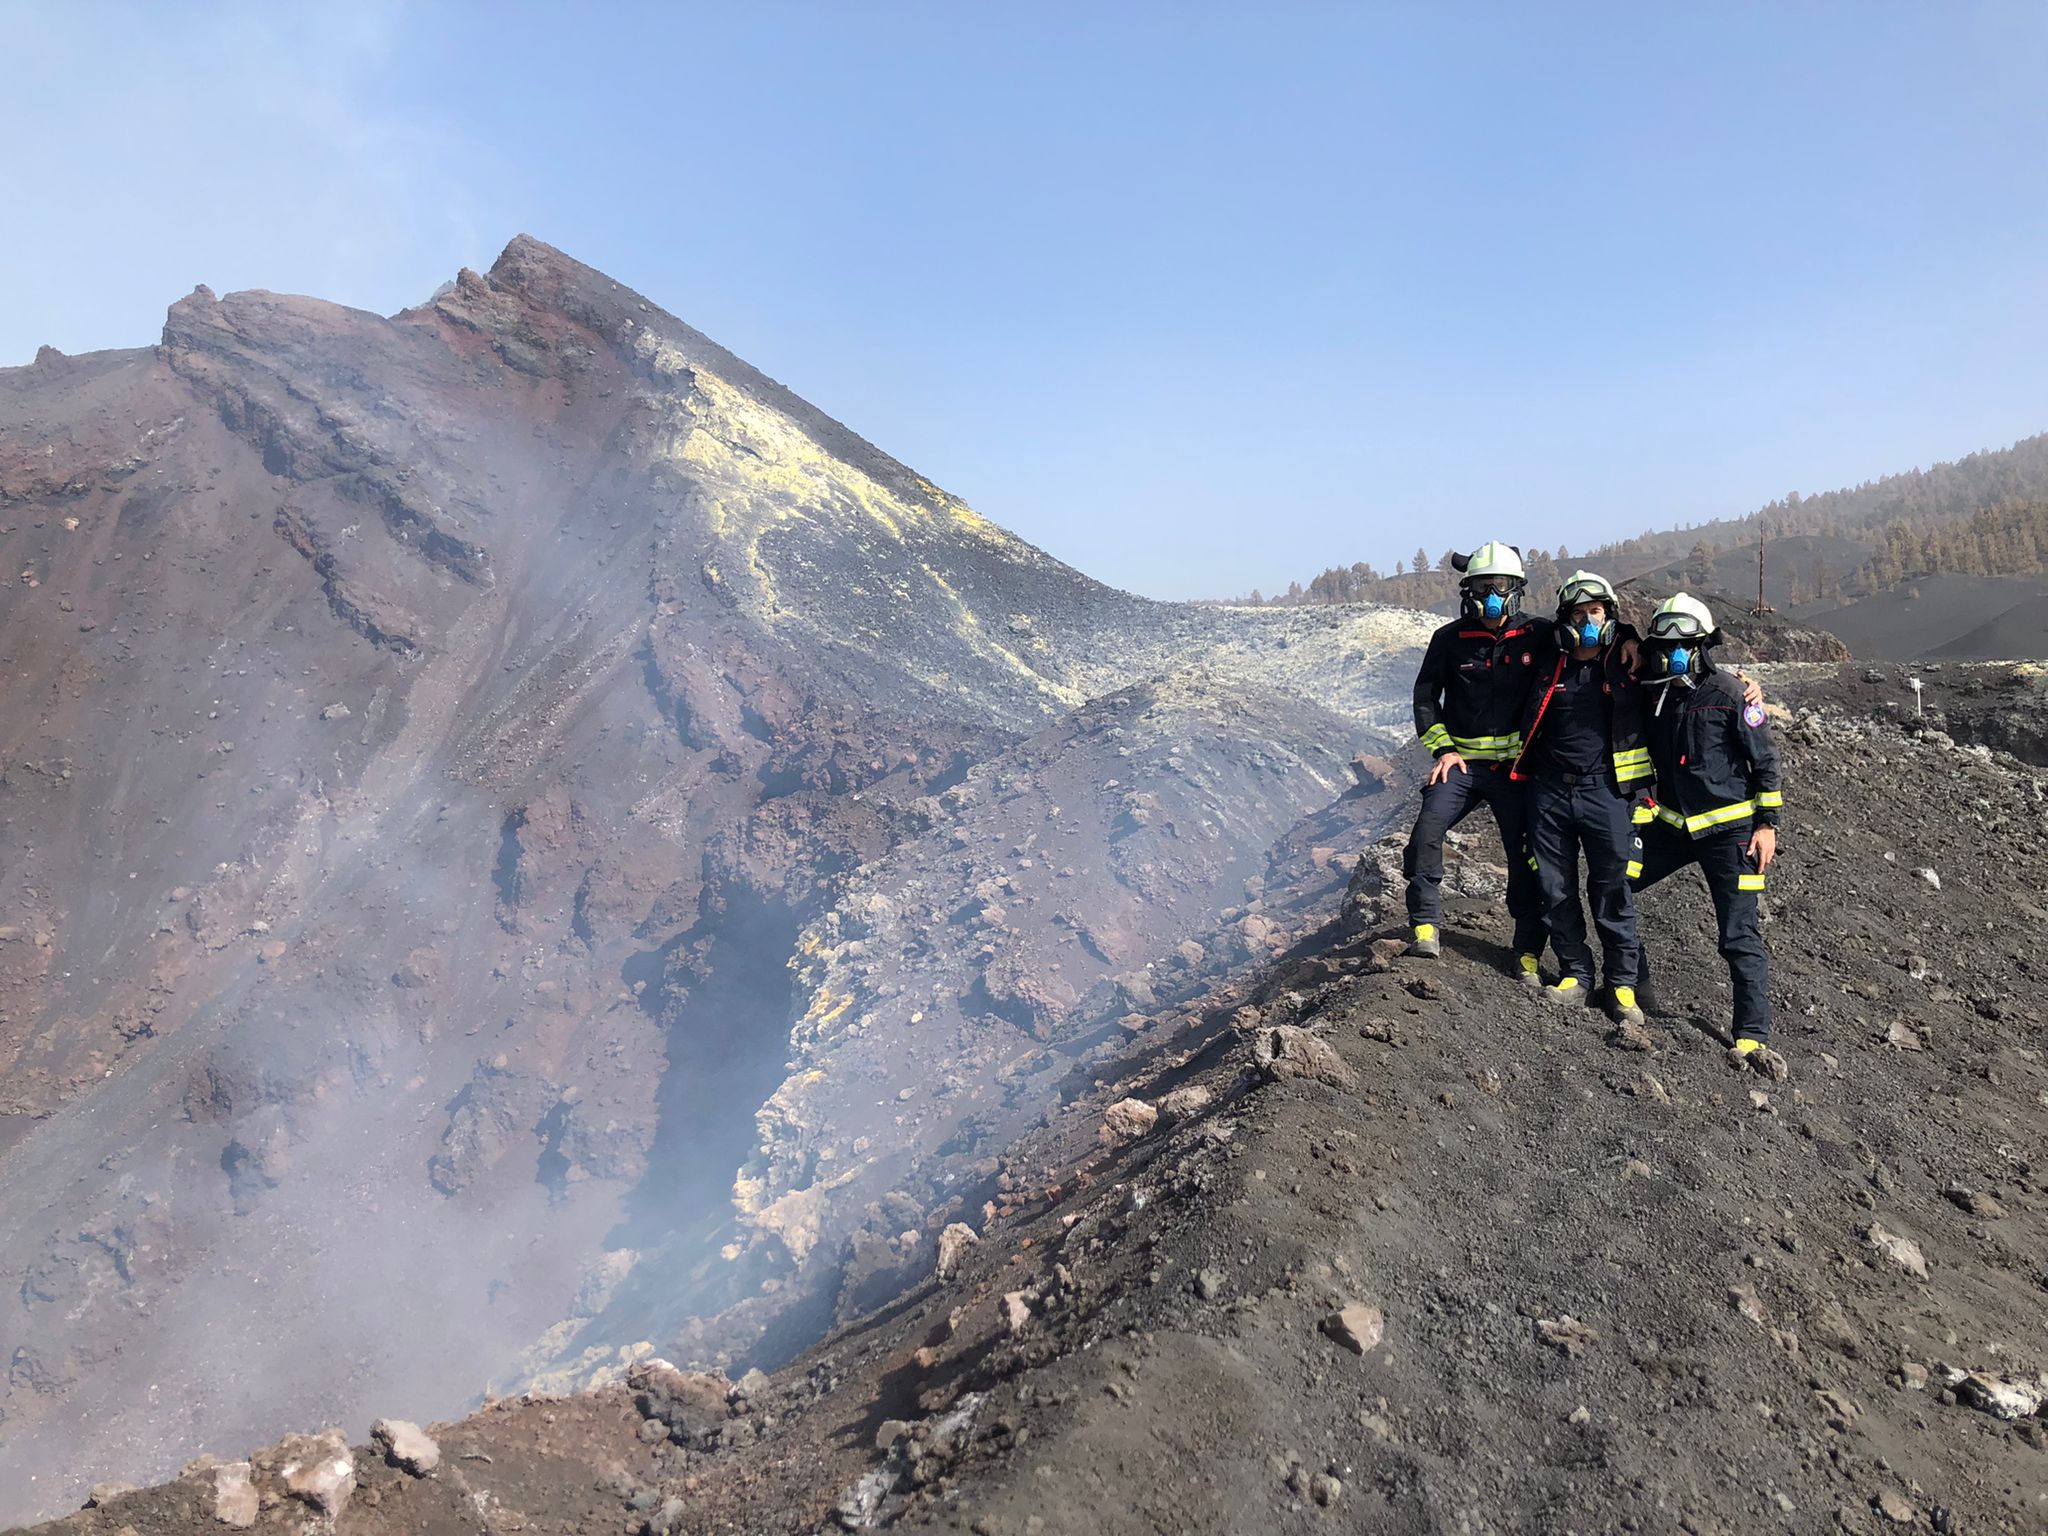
column 1496, row 605
column 1589, row 632
column 1681, row 661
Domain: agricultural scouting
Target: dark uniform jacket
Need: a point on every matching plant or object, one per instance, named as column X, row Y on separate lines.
column 1628, row 755
column 1714, row 759
column 1470, row 691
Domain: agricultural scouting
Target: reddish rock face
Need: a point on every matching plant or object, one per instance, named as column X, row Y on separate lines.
column 447, row 766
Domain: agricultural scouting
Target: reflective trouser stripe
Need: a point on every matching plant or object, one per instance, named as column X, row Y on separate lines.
column 1719, row 816
column 1643, row 815
column 1635, row 869
column 1749, row 882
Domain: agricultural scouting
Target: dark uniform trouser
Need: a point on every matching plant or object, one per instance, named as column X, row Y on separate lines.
column 1568, row 813
column 1446, row 804
column 1721, row 859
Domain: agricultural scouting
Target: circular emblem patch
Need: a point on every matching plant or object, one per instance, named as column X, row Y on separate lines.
column 1752, row 715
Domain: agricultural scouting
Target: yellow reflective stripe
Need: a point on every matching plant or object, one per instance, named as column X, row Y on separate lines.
column 1632, row 755
column 1714, row 818
column 1635, row 869
column 1769, row 800
column 1533, row 864
column 1749, row 882
column 1721, row 815
column 1488, row 749
column 1436, row 736
column 1628, row 773
column 1643, row 815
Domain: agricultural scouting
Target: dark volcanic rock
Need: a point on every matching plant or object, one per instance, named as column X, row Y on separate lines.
column 1570, row 1276
column 1746, row 636
column 513, row 681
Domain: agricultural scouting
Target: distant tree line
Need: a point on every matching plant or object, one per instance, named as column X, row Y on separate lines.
column 2006, row 540
column 1982, row 508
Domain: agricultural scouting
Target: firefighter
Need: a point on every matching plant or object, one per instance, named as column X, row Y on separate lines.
column 1585, row 763
column 1717, row 797
column 1468, row 708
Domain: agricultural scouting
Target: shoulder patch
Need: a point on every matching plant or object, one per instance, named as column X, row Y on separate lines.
column 1752, row 715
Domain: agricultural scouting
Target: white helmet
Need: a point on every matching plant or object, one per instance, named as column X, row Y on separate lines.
column 1683, row 617
column 1584, row 587
column 1681, row 630
column 1492, row 558
column 1490, row 582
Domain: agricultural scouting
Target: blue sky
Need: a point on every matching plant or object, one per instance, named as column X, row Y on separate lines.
column 1197, row 297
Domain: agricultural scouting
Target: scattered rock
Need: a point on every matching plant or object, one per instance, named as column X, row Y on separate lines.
column 1975, row 1203
column 1358, row 1327
column 1902, row 1252
column 1930, row 877
column 1832, row 1327
column 857, row 1507
column 1386, row 951
column 1290, row 1051
column 106, row 1493
column 234, row 1495
column 1185, row 1103
column 691, row 1402
column 1209, row 1284
column 1126, row 1120
column 406, row 1446
column 1999, row 1396
column 1326, row 1490
column 1763, row 1061
column 891, row 1431
column 1630, row 1035
column 1016, row 1310
column 1838, row 1410
column 1890, row 1503
column 953, row 1245
column 422, row 969
column 1903, row 1037
column 1566, row 1333
column 1744, row 1299
column 335, row 712
column 319, row 1470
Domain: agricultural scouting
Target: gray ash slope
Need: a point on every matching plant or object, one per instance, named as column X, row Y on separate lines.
column 426, row 742
column 1615, row 1289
